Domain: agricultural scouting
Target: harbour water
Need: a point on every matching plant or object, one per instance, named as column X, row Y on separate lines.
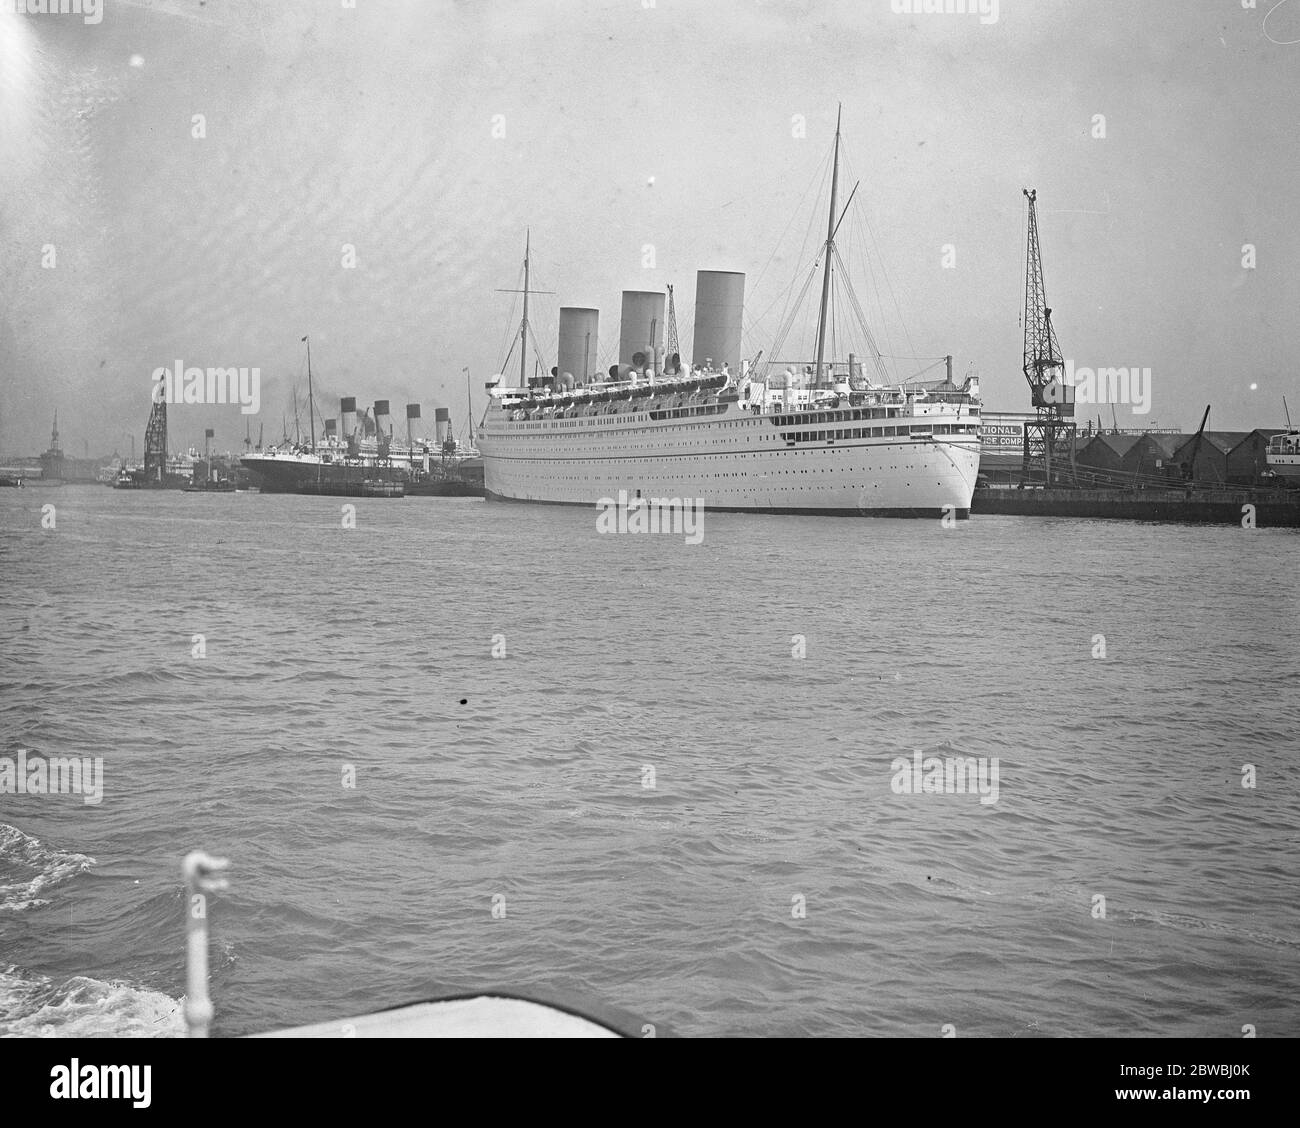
column 670, row 811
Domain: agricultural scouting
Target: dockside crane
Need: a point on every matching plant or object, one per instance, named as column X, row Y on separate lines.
column 1049, row 437
column 155, row 443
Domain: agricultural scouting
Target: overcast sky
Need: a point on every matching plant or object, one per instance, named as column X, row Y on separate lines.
column 628, row 124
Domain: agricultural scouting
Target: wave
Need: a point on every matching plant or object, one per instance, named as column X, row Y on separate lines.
column 29, row 867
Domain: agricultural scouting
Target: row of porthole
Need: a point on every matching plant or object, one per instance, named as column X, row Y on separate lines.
column 832, row 469
column 730, row 454
column 801, row 489
column 850, row 485
column 666, row 454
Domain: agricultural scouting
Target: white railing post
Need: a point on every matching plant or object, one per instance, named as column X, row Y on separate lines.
column 202, row 876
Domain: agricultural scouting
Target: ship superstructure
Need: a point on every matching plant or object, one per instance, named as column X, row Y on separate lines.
column 1283, row 454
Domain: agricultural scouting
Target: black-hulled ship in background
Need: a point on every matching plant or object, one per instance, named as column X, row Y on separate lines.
column 359, row 456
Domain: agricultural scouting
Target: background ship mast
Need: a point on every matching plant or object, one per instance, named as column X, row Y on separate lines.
column 311, row 414
column 829, row 251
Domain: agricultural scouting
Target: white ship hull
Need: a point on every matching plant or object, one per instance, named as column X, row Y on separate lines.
column 831, row 463
column 1285, row 465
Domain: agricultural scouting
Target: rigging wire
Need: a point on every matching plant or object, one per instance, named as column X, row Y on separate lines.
column 859, row 239
column 537, row 348
column 873, row 256
column 872, row 347
column 512, row 324
column 818, row 174
column 779, row 344
column 791, row 310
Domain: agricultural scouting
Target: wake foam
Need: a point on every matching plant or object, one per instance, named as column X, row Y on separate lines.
column 29, row 868
column 32, row 1006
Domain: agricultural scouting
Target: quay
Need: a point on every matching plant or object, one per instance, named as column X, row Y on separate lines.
column 1272, row 508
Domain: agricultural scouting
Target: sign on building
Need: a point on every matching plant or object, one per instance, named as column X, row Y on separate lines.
column 1003, row 432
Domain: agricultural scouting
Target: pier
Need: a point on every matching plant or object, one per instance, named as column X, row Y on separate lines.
column 1271, row 508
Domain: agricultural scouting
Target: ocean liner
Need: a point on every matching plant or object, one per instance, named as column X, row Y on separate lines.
column 821, row 436
column 367, row 466
column 359, row 456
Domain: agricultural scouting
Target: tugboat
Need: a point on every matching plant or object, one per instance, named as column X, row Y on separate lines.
column 458, row 473
column 209, row 483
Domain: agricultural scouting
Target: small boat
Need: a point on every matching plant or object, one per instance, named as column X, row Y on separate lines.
column 445, row 487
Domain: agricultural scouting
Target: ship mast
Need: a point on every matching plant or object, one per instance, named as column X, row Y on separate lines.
column 311, row 415
column 830, row 250
column 469, row 406
column 523, row 326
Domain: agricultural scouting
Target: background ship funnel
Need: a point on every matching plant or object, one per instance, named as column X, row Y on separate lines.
column 383, row 419
column 641, row 328
column 348, row 416
column 578, row 329
column 441, row 425
column 412, row 414
column 719, row 308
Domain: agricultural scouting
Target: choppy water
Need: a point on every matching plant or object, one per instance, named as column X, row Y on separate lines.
column 524, row 776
